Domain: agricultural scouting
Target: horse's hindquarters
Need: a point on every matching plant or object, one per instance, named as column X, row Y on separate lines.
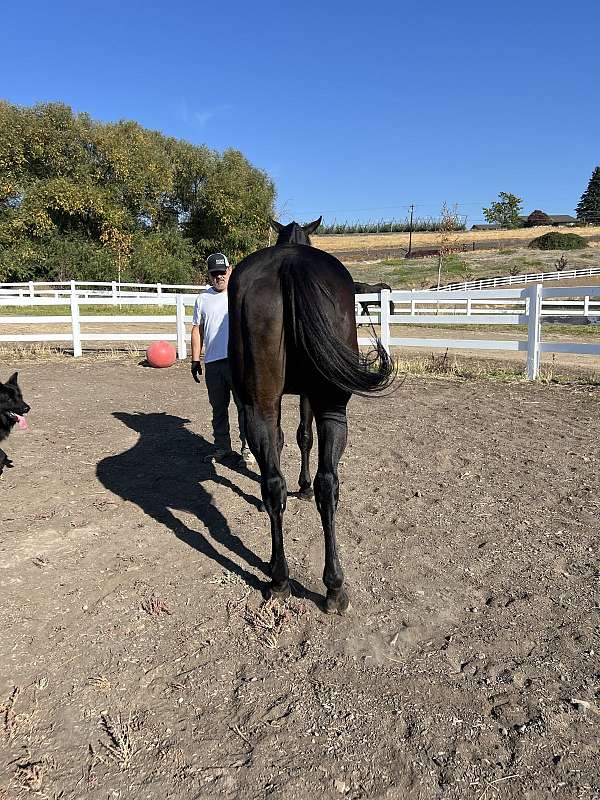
column 256, row 341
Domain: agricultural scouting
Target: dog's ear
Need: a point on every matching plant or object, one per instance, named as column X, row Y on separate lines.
column 13, row 378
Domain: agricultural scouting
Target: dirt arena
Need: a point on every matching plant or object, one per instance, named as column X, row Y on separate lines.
column 137, row 659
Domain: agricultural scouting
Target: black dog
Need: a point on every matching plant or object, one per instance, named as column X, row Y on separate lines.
column 12, row 411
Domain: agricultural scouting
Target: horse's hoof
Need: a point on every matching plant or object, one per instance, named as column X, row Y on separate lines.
column 281, row 595
column 337, row 601
column 306, row 494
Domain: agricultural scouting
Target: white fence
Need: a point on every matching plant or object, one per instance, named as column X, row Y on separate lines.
column 88, row 289
column 115, row 289
column 510, row 280
column 76, row 319
column 494, row 307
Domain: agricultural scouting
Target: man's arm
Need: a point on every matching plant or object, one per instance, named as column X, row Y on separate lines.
column 197, row 342
column 197, row 339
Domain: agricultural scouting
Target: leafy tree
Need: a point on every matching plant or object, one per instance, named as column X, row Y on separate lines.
column 505, row 211
column 588, row 208
column 75, row 254
column 57, row 258
column 233, row 207
column 118, row 199
column 164, row 257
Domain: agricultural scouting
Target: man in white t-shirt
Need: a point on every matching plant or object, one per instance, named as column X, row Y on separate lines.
column 210, row 330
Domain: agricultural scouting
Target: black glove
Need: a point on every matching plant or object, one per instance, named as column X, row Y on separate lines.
column 196, row 370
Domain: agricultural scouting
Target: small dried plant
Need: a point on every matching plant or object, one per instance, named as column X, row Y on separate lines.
column 120, row 745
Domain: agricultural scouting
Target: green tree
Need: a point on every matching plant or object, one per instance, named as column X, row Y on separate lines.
column 118, row 199
column 588, row 208
column 233, row 207
column 164, row 257
column 505, row 211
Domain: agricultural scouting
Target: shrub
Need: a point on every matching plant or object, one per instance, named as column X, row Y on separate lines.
column 558, row 241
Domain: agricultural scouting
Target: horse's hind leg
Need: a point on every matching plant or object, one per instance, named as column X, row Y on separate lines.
column 263, row 432
column 332, row 434
column 304, row 437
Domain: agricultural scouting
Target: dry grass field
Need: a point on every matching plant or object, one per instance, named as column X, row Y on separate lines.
column 334, row 242
column 376, row 246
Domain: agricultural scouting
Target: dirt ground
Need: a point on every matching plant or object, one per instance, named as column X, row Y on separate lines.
column 138, row 660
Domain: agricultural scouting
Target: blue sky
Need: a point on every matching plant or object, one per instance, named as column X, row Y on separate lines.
column 355, row 110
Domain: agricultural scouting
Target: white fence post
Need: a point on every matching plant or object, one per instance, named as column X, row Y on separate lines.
column 586, row 305
column 384, row 318
column 181, row 343
column 533, row 332
column 75, row 325
column 31, row 289
column 114, row 290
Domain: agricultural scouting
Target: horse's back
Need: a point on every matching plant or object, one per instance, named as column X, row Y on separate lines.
column 264, row 266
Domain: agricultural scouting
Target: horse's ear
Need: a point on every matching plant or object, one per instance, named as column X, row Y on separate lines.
column 13, row 378
column 275, row 225
column 311, row 227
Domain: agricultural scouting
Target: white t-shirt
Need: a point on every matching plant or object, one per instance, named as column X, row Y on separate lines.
column 211, row 312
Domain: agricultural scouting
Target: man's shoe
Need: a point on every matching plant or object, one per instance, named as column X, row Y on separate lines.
column 220, row 455
column 247, row 457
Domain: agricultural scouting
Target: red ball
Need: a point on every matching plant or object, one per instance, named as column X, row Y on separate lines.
column 161, row 354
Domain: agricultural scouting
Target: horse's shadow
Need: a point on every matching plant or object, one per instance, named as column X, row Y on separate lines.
column 164, row 472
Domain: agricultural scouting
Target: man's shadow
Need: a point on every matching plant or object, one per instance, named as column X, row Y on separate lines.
column 165, row 471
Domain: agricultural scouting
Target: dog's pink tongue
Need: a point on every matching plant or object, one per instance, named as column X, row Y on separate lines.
column 22, row 422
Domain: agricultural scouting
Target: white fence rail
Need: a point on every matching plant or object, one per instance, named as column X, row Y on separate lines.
column 115, row 289
column 89, row 289
column 494, row 307
column 510, row 280
column 76, row 319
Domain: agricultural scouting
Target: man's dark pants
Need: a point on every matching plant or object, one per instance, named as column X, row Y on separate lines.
column 220, row 390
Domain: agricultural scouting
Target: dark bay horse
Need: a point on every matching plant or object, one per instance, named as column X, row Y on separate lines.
column 292, row 330
column 371, row 288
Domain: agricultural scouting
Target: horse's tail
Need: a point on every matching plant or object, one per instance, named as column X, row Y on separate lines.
column 310, row 325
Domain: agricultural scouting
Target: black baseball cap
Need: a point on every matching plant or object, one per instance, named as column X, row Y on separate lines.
column 217, row 262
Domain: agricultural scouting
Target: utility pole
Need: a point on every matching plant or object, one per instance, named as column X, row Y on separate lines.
column 410, row 229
